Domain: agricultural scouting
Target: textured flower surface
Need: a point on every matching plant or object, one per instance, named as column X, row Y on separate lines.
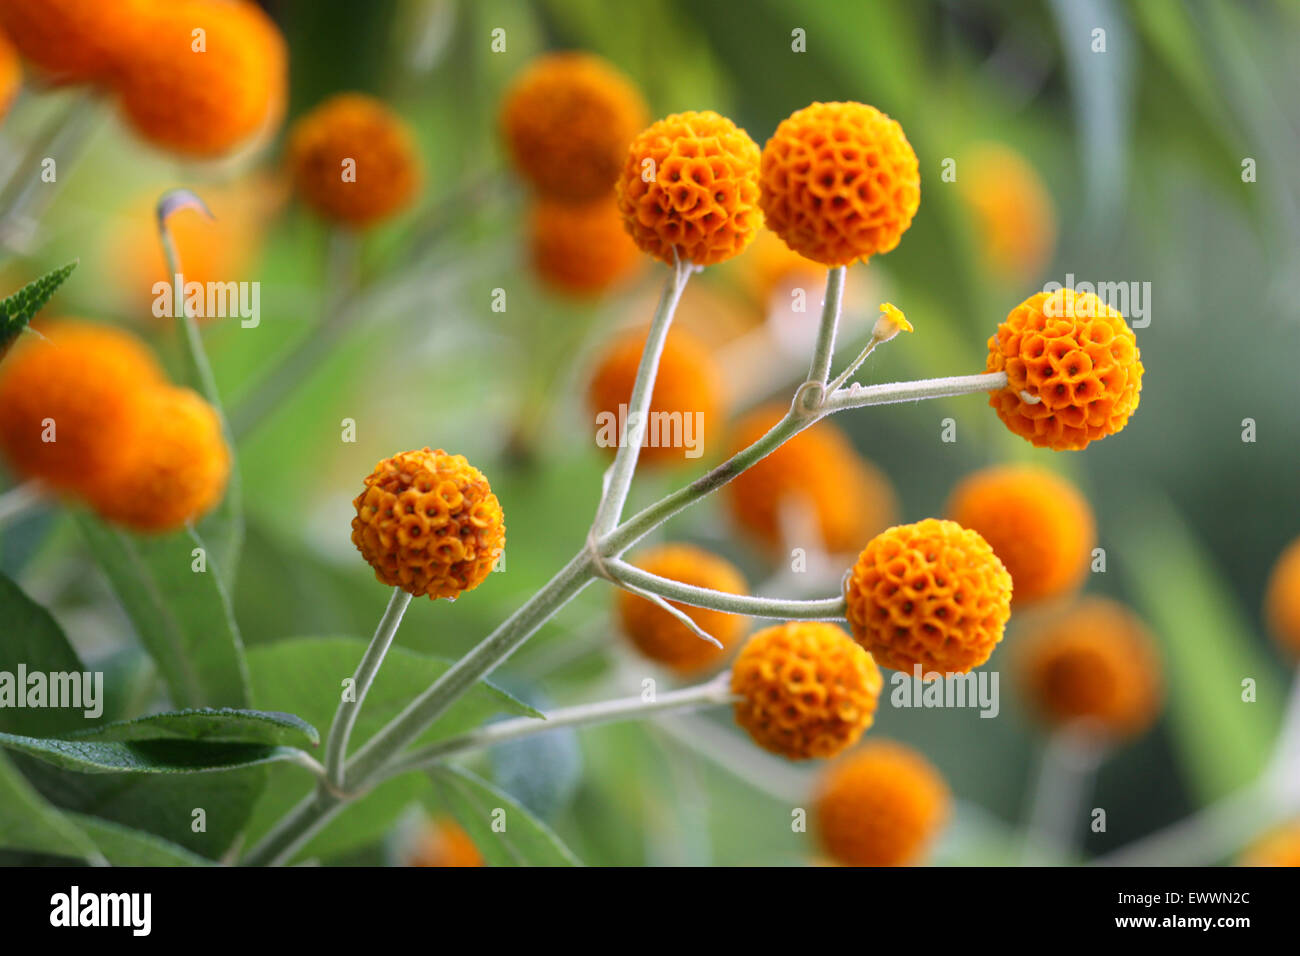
column 931, row 594
column 174, row 469
column 1074, row 373
column 1282, row 599
column 807, row 689
column 72, row 41
column 1037, row 522
column 689, row 189
column 428, row 523
column 880, row 806
column 353, row 160
column 686, row 404
column 816, row 478
column 840, row 182
column 70, row 401
column 567, row 120
column 581, row 248
column 208, row 93
column 1094, row 663
column 660, row 636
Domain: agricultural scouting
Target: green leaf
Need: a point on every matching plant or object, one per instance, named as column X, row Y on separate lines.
column 476, row 804
column 34, row 640
column 209, row 725
column 29, row 822
column 305, row 675
column 1208, row 649
column 146, row 756
column 17, row 310
column 183, row 616
column 124, row 846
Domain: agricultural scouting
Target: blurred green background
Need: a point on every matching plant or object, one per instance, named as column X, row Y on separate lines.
column 1140, row 149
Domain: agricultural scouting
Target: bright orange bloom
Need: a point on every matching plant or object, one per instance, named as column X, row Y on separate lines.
column 11, row 75
column 428, row 523
column 840, row 182
column 1281, row 847
column 1282, row 600
column 444, row 843
column 931, row 594
column 689, row 189
column 660, row 636
column 581, row 248
column 72, row 41
column 1074, row 373
column 1014, row 219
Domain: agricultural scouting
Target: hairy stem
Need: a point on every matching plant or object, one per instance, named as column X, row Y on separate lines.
column 716, row 691
column 336, row 746
column 819, row 370
column 860, row 396
column 824, row 609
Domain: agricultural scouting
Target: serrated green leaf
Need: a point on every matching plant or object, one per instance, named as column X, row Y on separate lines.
column 18, row 309
column 209, row 725
column 182, row 616
column 522, row 841
column 29, row 822
column 146, row 756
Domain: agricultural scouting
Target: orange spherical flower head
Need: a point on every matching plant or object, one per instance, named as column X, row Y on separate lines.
column 173, row 470
column 807, row 690
column 689, row 189
column 567, row 120
column 11, row 75
column 1074, row 373
column 660, row 636
column 1094, row 663
column 881, row 805
column 201, row 78
column 581, row 249
column 931, row 595
column 840, row 182
column 1282, row 599
column 685, row 406
column 1281, row 847
column 444, row 843
column 816, row 478
column 71, row 41
column 428, row 523
column 1037, row 522
column 353, row 160
column 70, row 400
column 1014, row 218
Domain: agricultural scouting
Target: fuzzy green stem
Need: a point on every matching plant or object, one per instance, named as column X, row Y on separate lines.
column 336, row 746
column 638, row 408
column 1065, row 777
column 303, row 822
column 792, row 609
column 714, row 692
column 819, row 370
column 200, row 369
column 860, row 396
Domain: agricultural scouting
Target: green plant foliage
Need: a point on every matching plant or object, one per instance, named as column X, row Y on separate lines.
column 18, row 309
column 504, row 832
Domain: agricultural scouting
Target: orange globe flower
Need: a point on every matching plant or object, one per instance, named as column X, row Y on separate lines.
column 567, row 120
column 428, row 523
column 11, row 75
column 881, row 805
column 818, row 475
column 1074, row 373
column 1094, row 663
column 1015, row 224
column 1282, row 599
column 660, row 636
column 581, row 249
column 686, row 404
column 173, row 470
column 1039, row 525
column 840, row 182
column 807, row 690
column 444, row 843
column 689, row 189
column 1278, row 848
column 201, row 78
column 353, row 160
column 71, row 41
column 931, row 595
column 69, row 401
